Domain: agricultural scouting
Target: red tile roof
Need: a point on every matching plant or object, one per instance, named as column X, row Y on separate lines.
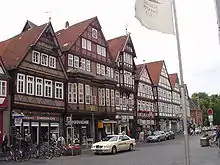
column 14, row 49
column 116, row 45
column 70, row 35
column 154, row 69
column 173, row 78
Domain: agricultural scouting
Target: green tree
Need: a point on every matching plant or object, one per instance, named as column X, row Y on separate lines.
column 208, row 101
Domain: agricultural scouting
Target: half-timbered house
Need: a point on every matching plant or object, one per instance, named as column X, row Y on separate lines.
column 187, row 102
column 162, row 92
column 177, row 113
column 33, row 61
column 4, row 100
column 123, row 54
column 91, row 81
column 145, row 99
column 195, row 113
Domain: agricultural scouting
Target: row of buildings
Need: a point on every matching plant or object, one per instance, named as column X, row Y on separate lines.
column 76, row 83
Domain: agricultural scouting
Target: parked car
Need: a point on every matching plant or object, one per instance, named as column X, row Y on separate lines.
column 156, row 136
column 113, row 144
column 171, row 135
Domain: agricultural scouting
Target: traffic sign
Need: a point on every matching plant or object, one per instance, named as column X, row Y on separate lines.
column 210, row 111
column 210, row 118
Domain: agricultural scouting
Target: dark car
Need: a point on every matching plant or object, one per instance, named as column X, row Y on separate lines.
column 171, row 135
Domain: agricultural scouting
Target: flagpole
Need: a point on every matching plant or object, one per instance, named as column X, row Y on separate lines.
column 186, row 137
column 218, row 21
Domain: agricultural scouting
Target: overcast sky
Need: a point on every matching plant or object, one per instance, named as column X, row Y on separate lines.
column 197, row 24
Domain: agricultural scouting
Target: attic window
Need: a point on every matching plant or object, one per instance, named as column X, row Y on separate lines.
column 94, row 33
column 65, row 44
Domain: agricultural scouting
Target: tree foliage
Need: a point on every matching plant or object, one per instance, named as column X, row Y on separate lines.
column 208, row 101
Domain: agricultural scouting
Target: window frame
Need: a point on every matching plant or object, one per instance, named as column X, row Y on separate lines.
column 70, row 58
column 38, row 58
column 96, row 33
column 58, row 89
column 51, row 58
column 50, row 86
column 71, row 93
column 80, row 93
column 30, row 83
column 88, row 66
column 1, row 88
column 23, row 81
column 43, row 54
column 76, row 61
column 98, row 68
column 39, row 84
column 88, row 94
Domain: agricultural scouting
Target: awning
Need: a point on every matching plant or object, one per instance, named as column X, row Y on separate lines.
column 109, row 122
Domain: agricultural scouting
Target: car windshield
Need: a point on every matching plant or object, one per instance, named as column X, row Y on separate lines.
column 110, row 138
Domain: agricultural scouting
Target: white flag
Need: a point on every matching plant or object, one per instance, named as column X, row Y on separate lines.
column 155, row 15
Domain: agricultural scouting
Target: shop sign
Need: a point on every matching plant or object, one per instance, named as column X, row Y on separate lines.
column 80, row 122
column 44, row 118
column 100, row 124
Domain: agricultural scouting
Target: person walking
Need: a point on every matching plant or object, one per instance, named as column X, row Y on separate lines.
column 218, row 136
column 4, row 142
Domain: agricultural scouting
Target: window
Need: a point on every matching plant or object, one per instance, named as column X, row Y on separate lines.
column 39, row 86
column 87, row 65
column 107, row 97
column 44, row 59
column 101, row 50
column 108, row 72
column 117, row 76
column 20, row 83
column 47, row 88
column 70, row 60
column 112, row 98
column 86, row 44
column 88, row 95
column 117, row 98
column 72, row 92
column 30, row 85
column 98, row 68
column 3, row 88
column 81, row 93
column 94, row 33
column 36, row 57
column 102, row 97
column 83, row 63
column 52, row 62
column 112, row 73
column 76, row 62
column 58, row 90
column 103, row 70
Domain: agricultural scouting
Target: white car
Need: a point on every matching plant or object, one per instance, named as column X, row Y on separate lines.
column 113, row 144
column 157, row 136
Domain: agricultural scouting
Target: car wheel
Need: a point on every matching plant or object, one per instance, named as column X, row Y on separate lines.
column 131, row 147
column 114, row 150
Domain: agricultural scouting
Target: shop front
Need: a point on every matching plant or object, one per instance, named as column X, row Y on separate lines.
column 124, row 123
column 41, row 126
column 106, row 127
column 78, row 131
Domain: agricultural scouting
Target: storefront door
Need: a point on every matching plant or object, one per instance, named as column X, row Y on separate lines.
column 35, row 133
column 70, row 135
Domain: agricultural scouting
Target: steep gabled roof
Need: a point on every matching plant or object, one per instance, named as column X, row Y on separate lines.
column 67, row 37
column 116, row 45
column 173, row 79
column 28, row 25
column 154, row 69
column 139, row 69
column 14, row 49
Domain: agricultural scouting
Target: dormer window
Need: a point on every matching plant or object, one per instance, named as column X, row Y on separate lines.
column 94, row 33
column 36, row 57
column 101, row 50
column 44, row 59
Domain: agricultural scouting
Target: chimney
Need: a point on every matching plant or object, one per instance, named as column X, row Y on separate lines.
column 67, row 24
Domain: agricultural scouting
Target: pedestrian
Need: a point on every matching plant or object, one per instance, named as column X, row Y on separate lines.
column 4, row 142
column 218, row 136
